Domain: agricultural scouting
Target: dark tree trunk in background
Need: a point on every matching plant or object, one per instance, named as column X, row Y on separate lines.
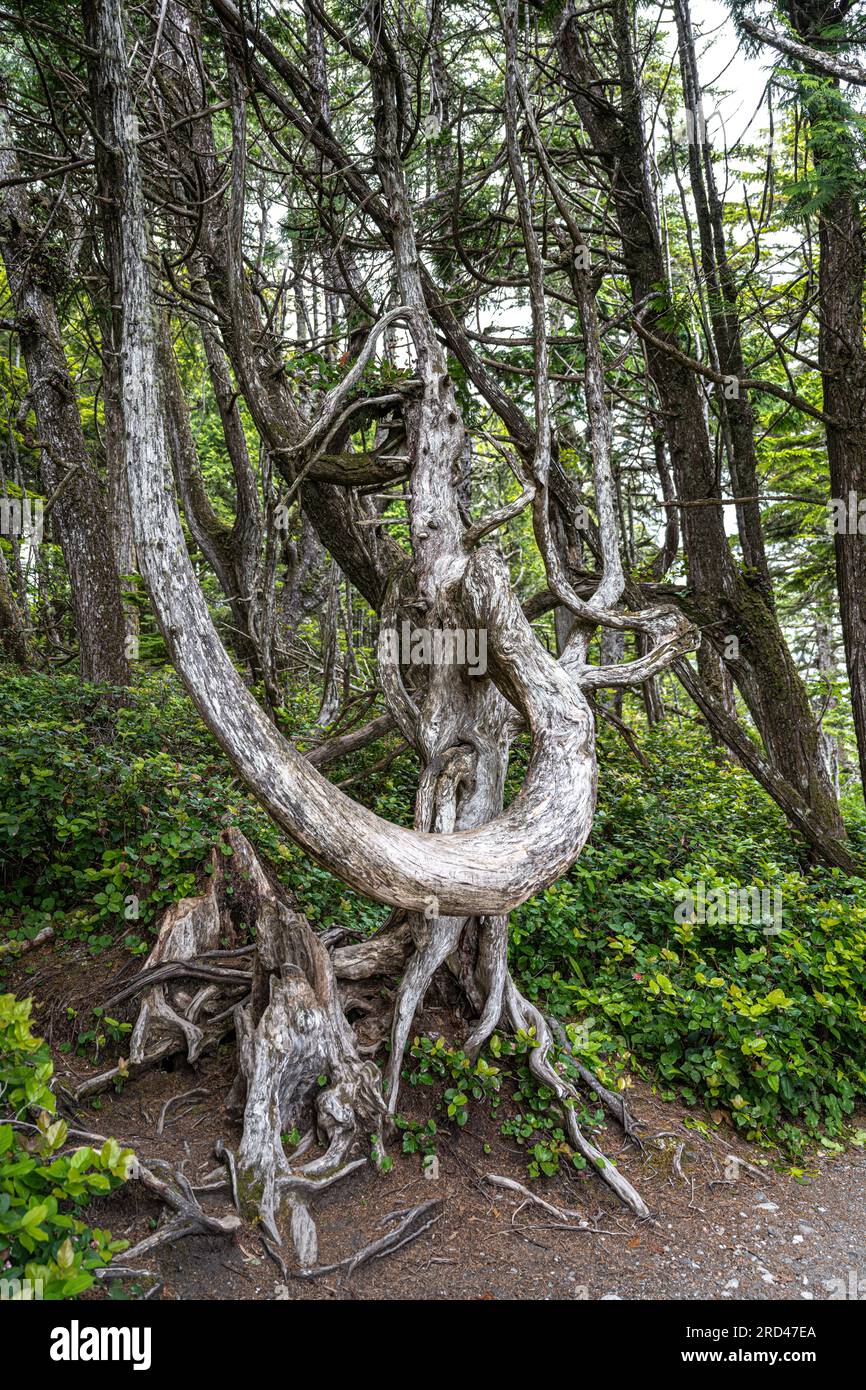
column 735, row 412
column 14, row 636
column 231, row 551
column 842, row 356
column 79, row 511
column 843, row 372
column 841, row 350
column 721, row 598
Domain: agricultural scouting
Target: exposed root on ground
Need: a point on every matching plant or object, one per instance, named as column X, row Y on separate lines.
column 303, row 1066
column 531, row 1198
column 293, row 1036
column 413, row 1224
column 525, row 1016
column 188, row 1219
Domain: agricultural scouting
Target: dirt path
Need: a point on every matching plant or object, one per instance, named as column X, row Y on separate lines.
column 712, row 1236
column 720, row 1231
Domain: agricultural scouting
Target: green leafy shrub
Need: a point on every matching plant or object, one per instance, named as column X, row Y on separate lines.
column 534, row 1119
column 102, row 805
column 42, row 1240
column 108, row 814
column 767, row 1025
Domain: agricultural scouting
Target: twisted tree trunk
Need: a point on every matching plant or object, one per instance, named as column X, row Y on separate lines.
column 466, row 862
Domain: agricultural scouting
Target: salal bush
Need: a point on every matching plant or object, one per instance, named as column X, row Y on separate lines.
column 46, row 1249
column 767, row 1027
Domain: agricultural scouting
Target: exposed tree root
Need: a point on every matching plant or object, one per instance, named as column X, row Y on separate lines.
column 492, row 972
column 175, row 1008
column 525, row 1016
column 287, row 1048
column 383, row 954
column 561, row 1213
column 432, row 950
column 187, row 1001
column 614, row 1104
column 123, row 1072
column 186, row 1098
column 189, row 1217
column 413, row 1224
column 301, row 1063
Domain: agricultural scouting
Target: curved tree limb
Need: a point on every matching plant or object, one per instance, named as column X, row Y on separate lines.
column 804, row 53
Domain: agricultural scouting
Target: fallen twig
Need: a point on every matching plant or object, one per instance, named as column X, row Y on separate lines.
column 561, row 1213
column 226, row 1156
column 196, row 1092
column 419, row 1220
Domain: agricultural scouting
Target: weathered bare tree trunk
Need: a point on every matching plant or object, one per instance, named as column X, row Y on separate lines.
column 118, row 494
column 466, row 862
column 15, row 638
column 328, row 631
column 832, row 751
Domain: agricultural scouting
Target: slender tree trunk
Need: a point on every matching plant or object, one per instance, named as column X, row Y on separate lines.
column 841, row 349
column 328, row 632
column 826, row 661
column 231, row 551
column 79, row 511
column 118, row 493
column 722, row 599
column 843, row 372
column 735, row 410
column 14, row 635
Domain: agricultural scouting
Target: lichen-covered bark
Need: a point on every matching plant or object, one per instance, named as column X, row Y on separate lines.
column 14, row 636
column 842, row 355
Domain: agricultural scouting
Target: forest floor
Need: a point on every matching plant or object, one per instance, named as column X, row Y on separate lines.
column 760, row 1234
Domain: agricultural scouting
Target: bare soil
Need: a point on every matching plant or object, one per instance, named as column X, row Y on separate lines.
column 719, row 1230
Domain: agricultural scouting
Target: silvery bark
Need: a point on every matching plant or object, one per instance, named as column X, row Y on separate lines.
column 466, row 862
